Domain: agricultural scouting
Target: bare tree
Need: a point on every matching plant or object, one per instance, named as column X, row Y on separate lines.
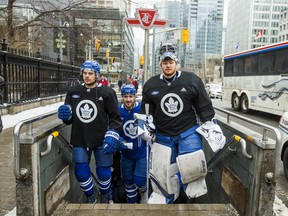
column 24, row 16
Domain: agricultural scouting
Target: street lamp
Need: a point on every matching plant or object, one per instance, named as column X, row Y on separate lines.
column 66, row 25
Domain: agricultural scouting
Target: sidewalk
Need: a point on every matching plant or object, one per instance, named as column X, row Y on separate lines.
column 7, row 178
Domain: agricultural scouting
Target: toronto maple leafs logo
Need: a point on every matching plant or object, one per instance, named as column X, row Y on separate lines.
column 130, row 129
column 171, row 104
column 86, row 111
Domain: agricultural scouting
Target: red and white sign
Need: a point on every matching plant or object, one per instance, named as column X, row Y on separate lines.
column 146, row 18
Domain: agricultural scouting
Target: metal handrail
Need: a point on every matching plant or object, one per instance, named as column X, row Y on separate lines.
column 228, row 143
column 23, row 173
column 266, row 128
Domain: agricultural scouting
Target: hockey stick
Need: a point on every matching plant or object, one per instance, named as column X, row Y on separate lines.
column 147, row 149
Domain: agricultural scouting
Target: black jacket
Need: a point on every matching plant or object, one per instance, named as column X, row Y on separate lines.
column 176, row 105
column 93, row 112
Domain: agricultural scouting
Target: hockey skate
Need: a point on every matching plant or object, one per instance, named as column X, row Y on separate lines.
column 91, row 199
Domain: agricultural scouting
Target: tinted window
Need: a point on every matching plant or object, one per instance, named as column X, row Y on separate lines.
column 238, row 67
column 228, row 67
column 282, row 61
column 267, row 64
column 251, row 65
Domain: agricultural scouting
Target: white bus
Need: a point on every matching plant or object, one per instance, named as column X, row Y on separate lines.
column 257, row 79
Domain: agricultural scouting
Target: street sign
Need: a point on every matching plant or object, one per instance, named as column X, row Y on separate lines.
column 146, row 18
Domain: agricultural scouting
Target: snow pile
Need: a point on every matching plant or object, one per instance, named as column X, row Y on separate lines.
column 279, row 208
column 11, row 120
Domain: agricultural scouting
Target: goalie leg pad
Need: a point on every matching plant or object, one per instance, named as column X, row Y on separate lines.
column 163, row 174
column 192, row 166
column 196, row 188
column 193, row 170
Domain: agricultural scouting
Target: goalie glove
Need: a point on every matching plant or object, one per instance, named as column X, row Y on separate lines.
column 148, row 133
column 113, row 142
column 145, row 129
column 212, row 132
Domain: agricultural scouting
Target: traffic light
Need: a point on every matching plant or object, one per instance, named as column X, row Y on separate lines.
column 141, row 60
column 107, row 54
column 185, row 36
column 98, row 44
column 112, row 59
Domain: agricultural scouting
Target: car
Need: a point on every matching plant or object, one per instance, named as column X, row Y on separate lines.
column 214, row 90
column 283, row 128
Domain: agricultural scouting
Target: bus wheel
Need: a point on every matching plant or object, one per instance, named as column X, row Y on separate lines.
column 244, row 104
column 285, row 163
column 236, row 102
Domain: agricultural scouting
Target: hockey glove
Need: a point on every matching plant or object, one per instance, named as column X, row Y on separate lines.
column 65, row 112
column 113, row 142
column 145, row 128
column 212, row 132
column 148, row 132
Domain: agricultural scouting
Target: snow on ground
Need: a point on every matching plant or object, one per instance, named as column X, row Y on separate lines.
column 11, row 120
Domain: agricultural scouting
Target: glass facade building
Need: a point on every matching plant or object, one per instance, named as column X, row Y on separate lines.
column 247, row 18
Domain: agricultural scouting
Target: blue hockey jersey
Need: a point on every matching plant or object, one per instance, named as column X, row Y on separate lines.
column 129, row 132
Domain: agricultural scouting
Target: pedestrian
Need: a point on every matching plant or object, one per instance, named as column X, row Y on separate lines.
column 120, row 83
column 129, row 79
column 133, row 161
column 103, row 80
column 135, row 84
column 91, row 108
column 176, row 99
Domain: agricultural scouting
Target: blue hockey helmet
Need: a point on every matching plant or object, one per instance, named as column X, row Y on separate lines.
column 128, row 89
column 90, row 64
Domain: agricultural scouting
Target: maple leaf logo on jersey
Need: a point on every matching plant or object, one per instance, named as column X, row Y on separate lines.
column 172, row 105
column 86, row 111
column 132, row 130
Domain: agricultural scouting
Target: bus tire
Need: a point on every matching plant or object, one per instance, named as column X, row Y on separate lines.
column 285, row 162
column 236, row 102
column 244, row 104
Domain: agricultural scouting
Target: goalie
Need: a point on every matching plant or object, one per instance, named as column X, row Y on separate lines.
column 177, row 161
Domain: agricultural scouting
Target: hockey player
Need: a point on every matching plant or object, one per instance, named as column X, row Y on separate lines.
column 175, row 98
column 91, row 108
column 133, row 161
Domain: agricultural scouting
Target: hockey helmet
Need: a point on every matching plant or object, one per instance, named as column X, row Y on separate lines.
column 167, row 56
column 128, row 89
column 166, row 52
column 166, row 47
column 91, row 64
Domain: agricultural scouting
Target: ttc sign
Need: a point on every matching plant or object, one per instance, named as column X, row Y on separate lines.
column 146, row 18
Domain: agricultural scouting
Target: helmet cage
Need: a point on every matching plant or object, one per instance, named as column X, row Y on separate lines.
column 166, row 48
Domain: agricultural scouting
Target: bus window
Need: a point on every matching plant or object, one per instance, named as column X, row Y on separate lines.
column 238, row 67
column 266, row 64
column 228, row 67
column 281, row 61
column 250, row 65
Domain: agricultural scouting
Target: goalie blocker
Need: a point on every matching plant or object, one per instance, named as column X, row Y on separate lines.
column 164, row 175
